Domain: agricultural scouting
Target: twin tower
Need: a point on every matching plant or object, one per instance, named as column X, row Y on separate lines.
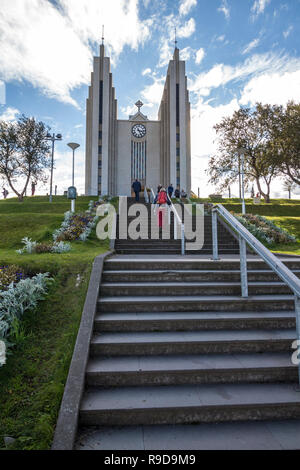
column 119, row 151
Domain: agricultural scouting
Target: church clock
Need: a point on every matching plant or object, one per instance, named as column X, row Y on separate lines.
column 138, row 130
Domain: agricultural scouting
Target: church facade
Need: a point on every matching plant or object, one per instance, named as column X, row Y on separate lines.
column 119, row 151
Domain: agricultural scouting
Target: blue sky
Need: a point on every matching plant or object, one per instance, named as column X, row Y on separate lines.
column 237, row 52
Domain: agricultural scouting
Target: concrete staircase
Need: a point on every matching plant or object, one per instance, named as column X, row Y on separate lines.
column 227, row 243
column 175, row 344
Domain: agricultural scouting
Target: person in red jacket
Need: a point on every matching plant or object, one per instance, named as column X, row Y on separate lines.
column 162, row 201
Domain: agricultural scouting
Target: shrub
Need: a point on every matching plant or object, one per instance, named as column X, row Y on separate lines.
column 19, row 298
column 34, row 247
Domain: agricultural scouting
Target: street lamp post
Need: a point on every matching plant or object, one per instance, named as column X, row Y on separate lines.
column 53, row 138
column 241, row 152
column 73, row 146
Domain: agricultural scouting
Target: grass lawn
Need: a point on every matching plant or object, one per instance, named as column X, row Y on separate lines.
column 283, row 212
column 32, row 381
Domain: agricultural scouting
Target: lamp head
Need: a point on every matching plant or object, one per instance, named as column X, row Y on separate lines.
column 73, row 145
column 59, row 136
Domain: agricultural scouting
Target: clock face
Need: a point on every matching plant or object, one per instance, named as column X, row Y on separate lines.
column 138, row 130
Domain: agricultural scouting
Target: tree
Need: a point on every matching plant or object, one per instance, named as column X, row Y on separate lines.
column 24, row 152
column 252, row 131
column 287, row 141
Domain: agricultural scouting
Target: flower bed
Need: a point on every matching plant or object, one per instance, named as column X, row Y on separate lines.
column 75, row 227
column 31, row 247
column 265, row 230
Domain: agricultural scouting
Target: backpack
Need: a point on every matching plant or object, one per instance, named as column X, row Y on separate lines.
column 162, row 198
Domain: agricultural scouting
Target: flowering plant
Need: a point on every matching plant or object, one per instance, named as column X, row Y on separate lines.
column 265, row 230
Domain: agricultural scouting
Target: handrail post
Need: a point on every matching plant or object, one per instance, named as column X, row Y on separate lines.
column 297, row 313
column 243, row 267
column 214, row 222
column 146, row 195
column 182, row 239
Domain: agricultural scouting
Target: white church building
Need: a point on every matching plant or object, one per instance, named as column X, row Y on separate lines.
column 118, row 150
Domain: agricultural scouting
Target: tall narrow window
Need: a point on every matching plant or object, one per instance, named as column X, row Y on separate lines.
column 101, row 102
column 177, row 104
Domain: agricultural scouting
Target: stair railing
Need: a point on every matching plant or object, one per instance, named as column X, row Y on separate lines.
column 146, row 195
column 245, row 237
column 177, row 220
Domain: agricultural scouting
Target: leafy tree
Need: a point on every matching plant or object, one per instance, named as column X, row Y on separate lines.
column 251, row 131
column 287, row 140
column 24, row 152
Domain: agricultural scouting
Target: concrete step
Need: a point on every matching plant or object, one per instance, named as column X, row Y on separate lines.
column 170, row 251
column 242, row 435
column 188, row 275
column 127, row 371
column 190, row 288
column 195, row 303
column 178, row 263
column 189, row 404
column 193, row 321
column 191, row 342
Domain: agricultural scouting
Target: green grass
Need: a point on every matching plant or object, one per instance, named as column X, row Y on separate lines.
column 32, row 381
column 283, row 212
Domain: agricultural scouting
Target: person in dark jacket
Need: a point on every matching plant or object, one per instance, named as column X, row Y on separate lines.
column 136, row 186
column 177, row 193
column 170, row 191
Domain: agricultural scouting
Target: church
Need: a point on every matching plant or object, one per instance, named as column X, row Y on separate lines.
column 118, row 151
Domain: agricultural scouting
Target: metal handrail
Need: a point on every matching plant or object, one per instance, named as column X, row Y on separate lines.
column 245, row 237
column 177, row 219
column 280, row 269
column 146, row 195
column 180, row 222
column 152, row 196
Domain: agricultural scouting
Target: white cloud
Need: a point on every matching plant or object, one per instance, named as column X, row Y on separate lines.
column 50, row 47
column 128, row 110
column 256, row 65
column 288, row 31
column 272, row 88
column 62, row 175
column 185, row 6
column 259, row 6
column 187, row 29
column 153, row 93
column 185, row 53
column 224, row 8
column 2, row 93
column 221, row 38
column 78, row 126
column 146, row 71
column 9, row 114
column 251, row 46
column 199, row 55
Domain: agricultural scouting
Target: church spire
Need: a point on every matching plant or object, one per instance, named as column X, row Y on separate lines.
column 176, row 50
column 102, row 52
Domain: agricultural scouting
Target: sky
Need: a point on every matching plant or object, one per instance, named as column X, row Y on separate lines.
column 237, row 53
